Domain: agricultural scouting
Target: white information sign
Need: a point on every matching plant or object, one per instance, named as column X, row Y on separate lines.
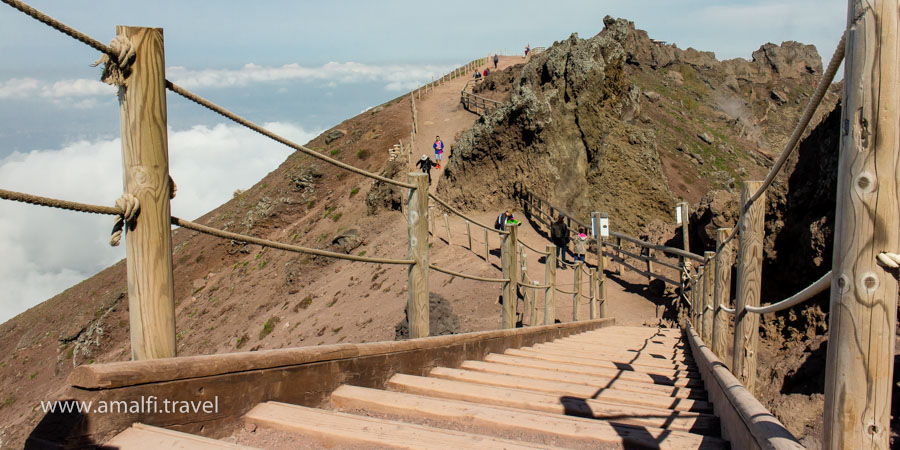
column 604, row 227
column 678, row 214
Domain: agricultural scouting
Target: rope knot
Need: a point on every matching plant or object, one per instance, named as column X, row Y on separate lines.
column 130, row 207
column 115, row 72
column 889, row 260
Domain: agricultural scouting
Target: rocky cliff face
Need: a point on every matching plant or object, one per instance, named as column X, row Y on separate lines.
column 626, row 125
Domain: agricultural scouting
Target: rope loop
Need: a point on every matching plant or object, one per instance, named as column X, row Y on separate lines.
column 889, row 260
column 130, row 207
column 115, row 72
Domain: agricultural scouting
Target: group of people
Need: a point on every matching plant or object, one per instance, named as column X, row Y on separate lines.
column 425, row 163
column 559, row 235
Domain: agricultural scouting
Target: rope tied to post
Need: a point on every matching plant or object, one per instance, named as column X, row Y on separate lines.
column 889, row 260
column 130, row 207
column 116, row 71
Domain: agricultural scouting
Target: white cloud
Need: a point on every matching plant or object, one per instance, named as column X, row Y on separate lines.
column 78, row 93
column 45, row 251
column 396, row 77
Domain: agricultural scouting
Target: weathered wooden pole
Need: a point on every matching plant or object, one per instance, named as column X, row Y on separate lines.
column 619, row 255
column 867, row 221
column 698, row 300
column 145, row 164
column 601, row 265
column 417, row 224
column 708, row 288
column 509, row 263
column 487, row 251
column 469, row 235
column 721, row 294
column 685, row 243
column 523, row 276
column 649, row 265
column 593, row 294
column 550, row 281
column 746, row 325
column 576, row 298
column 447, row 225
column 431, row 219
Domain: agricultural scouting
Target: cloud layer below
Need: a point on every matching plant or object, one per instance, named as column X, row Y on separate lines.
column 46, row 251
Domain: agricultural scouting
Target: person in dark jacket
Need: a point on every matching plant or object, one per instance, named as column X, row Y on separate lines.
column 500, row 224
column 559, row 234
column 424, row 164
column 496, row 60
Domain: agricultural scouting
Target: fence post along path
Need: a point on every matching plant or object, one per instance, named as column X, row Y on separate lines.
column 722, row 294
column 749, row 280
column 510, row 266
column 863, row 294
column 708, row 296
column 145, row 164
column 417, row 224
column 550, row 280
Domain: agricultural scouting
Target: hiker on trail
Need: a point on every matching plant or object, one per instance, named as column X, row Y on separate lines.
column 503, row 219
column 559, row 234
column 438, row 150
column 496, row 60
column 527, row 49
column 425, row 165
column 581, row 244
column 487, row 71
column 477, row 74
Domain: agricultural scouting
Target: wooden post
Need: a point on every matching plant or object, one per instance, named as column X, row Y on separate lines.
column 469, row 234
column 510, row 265
column 431, row 218
column 523, row 276
column 867, row 219
column 576, row 298
column 145, row 163
column 649, row 265
column 447, row 224
column 746, row 325
column 708, row 287
column 601, row 268
column 593, row 294
column 550, row 281
column 721, row 294
column 417, row 224
column 487, row 251
column 619, row 255
column 685, row 242
column 698, row 300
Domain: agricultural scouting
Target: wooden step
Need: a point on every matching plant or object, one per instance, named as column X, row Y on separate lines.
column 626, row 345
column 573, row 406
column 589, row 431
column 572, row 389
column 623, row 374
column 663, row 333
column 634, row 359
column 337, row 428
column 141, row 436
column 611, row 363
column 590, row 380
column 647, row 354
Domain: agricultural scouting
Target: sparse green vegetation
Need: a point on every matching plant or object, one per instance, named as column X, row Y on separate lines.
column 336, row 217
column 33, row 375
column 269, row 326
column 362, row 153
column 336, row 330
column 305, row 302
column 334, row 152
column 332, row 302
column 241, row 341
column 354, row 191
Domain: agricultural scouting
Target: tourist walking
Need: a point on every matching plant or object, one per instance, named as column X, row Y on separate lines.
column 496, row 60
column 581, row 244
column 425, row 165
column 438, row 150
column 559, row 234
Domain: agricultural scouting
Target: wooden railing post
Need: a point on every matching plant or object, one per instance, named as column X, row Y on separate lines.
column 550, row 281
column 685, row 243
column 722, row 294
column 469, row 235
column 746, row 325
column 619, row 255
column 593, row 294
column 417, row 224
column 509, row 259
column 487, row 251
column 697, row 313
column 523, row 276
column 576, row 298
column 649, row 265
column 867, row 219
column 601, row 265
column 708, row 287
column 447, row 225
column 145, row 163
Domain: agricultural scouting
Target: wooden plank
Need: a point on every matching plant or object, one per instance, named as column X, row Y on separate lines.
column 644, row 365
column 609, row 382
column 510, row 264
column 518, row 398
column 749, row 279
column 417, row 226
column 625, row 372
column 145, row 166
column 336, row 428
column 859, row 370
column 146, row 437
column 590, row 432
column 571, row 389
column 722, row 294
column 662, row 357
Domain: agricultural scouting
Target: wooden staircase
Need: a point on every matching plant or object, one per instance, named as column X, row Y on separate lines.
column 608, row 388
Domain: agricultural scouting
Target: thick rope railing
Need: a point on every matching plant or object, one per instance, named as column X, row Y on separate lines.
column 807, row 293
column 280, row 246
column 240, row 120
column 533, row 286
column 60, row 204
column 460, row 214
column 540, row 252
column 466, row 276
column 824, row 83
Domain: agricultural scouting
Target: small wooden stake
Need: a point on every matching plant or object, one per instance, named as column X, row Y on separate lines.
column 550, row 281
column 469, row 234
column 447, row 224
column 510, row 266
column 417, row 223
column 746, row 325
column 487, row 251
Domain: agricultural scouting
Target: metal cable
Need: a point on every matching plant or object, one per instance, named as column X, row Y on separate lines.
column 470, row 277
column 278, row 245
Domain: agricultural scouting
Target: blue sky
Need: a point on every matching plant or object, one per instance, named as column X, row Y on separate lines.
column 299, row 66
